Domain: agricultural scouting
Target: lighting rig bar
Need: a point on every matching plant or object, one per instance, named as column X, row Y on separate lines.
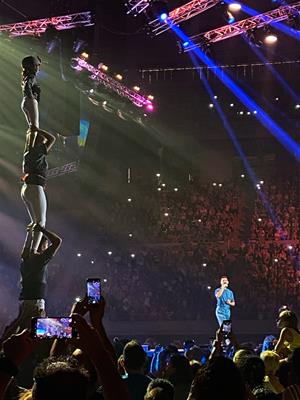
column 39, row 26
column 63, row 170
column 181, row 14
column 240, row 27
column 136, row 7
column 112, row 84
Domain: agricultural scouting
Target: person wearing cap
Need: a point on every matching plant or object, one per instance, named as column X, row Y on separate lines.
column 31, row 91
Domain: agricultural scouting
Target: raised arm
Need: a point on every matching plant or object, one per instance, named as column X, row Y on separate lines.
column 220, row 291
column 55, row 240
column 50, row 138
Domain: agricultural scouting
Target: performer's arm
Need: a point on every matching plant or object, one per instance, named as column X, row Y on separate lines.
column 55, row 240
column 220, row 291
column 49, row 137
column 231, row 303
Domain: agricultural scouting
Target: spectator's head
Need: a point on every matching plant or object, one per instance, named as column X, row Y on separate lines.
column 195, row 365
column 43, row 244
column 241, row 354
column 160, row 389
column 253, row 371
column 271, row 361
column 194, row 353
column 220, row 378
column 179, row 370
column 287, row 319
column 268, row 343
column 134, row 357
column 224, row 280
column 60, row 378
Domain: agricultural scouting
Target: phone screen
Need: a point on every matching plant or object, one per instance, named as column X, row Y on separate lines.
column 226, row 327
column 48, row 328
column 93, row 290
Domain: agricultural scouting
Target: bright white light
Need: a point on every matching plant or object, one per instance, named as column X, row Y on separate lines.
column 234, row 7
column 91, row 91
column 297, row 106
column 248, row 113
column 199, row 220
column 166, row 214
column 129, row 199
column 130, row 234
column 231, row 105
column 261, row 182
column 163, row 185
column 215, row 97
column 204, row 264
column 220, row 185
column 104, row 280
column 132, row 255
column 208, row 287
column 92, row 262
column 241, row 112
column 254, row 112
column 277, row 99
column 79, row 254
column 276, row 260
column 211, row 105
column 159, row 189
column 175, row 189
column 77, row 299
column 242, row 176
column 270, row 39
column 109, row 253
column 259, row 219
column 158, row 175
column 290, row 247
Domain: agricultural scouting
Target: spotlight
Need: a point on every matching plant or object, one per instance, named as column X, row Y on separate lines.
column 84, row 55
column 166, row 214
column 132, row 255
column 150, row 107
column 211, row 105
column 136, row 88
column 119, row 77
column 157, row 175
column 297, row 106
column 103, row 67
column 270, row 39
column 160, row 10
column 231, row 105
column 109, row 253
column 150, row 97
column 234, row 7
column 79, row 254
column 229, row 17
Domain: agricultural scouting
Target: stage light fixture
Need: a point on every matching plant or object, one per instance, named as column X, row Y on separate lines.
column 229, row 17
column 160, row 10
column 270, row 38
column 84, row 55
column 234, row 7
column 150, row 107
column 119, row 77
column 150, row 97
column 136, row 88
column 103, row 67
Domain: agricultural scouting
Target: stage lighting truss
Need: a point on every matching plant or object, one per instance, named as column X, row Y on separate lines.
column 63, row 170
column 39, row 26
column 247, row 25
column 112, row 84
column 136, row 7
column 181, row 14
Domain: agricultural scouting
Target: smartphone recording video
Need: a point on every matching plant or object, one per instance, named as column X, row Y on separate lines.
column 52, row 328
column 226, row 327
column 93, row 290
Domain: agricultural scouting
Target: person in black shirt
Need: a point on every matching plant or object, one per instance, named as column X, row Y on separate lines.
column 33, row 270
column 31, row 90
column 37, row 146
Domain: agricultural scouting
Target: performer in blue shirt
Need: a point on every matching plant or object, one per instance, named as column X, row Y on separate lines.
column 225, row 300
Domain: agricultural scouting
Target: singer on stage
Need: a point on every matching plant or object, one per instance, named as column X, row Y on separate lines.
column 225, row 300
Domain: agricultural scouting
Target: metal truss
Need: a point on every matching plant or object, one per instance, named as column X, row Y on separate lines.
column 112, row 84
column 181, row 14
column 244, row 26
column 39, row 26
column 63, row 170
column 136, row 7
